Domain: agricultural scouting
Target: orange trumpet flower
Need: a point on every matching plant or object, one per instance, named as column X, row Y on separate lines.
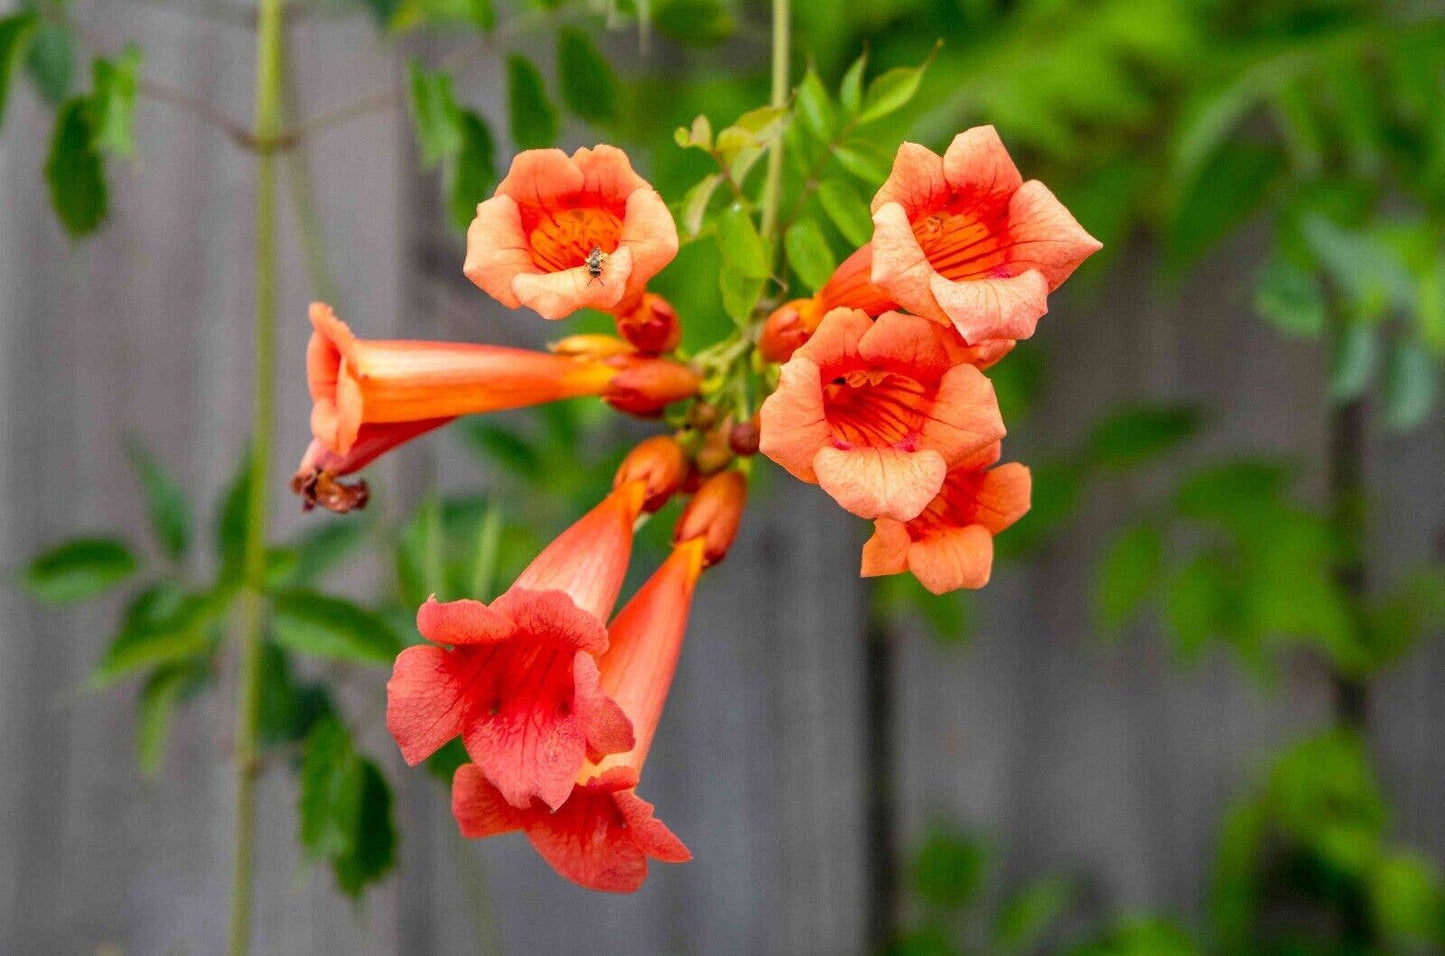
column 562, row 234
column 357, row 382
column 315, row 477
column 877, row 413
column 963, row 240
column 950, row 544
column 517, row 678
column 604, row 834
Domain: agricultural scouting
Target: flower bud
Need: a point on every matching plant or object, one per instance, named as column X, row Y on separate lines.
column 646, row 386
column 702, row 416
column 659, row 463
column 599, row 348
column 651, row 326
column 743, row 437
column 714, row 455
column 714, row 514
column 790, row 325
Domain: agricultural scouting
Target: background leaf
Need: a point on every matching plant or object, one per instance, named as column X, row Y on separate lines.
column 588, row 84
column 51, row 61
column 79, row 569
column 322, row 626
column 16, row 32
column 166, row 504
column 74, row 170
column 534, row 118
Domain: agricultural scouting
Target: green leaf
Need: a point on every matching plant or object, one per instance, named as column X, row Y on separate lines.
column 1230, row 187
column 945, row 614
column 233, row 518
column 1198, row 604
column 1137, row 433
column 1410, row 386
column 382, row 11
column 163, row 625
column 1129, row 573
column 693, row 22
column 1221, row 492
column 588, row 84
column 74, row 170
column 931, row 940
column 1364, row 266
column 113, row 102
column 1290, row 298
column 1352, row 366
column 847, row 210
column 16, row 33
column 1027, row 916
column 744, row 269
column 344, row 809
column 742, row 144
column 850, row 92
column 329, row 798
column 79, row 569
column 695, row 203
column 503, row 447
column 948, row 870
column 816, row 107
column 891, row 90
column 322, row 626
column 327, row 541
column 166, row 504
column 534, row 118
column 166, row 687
column 444, row 763
column 860, row 159
column 697, row 136
column 473, row 173
column 407, row 14
column 373, row 851
column 1408, row 900
column 288, row 709
column 808, row 253
column 51, row 62
column 434, row 114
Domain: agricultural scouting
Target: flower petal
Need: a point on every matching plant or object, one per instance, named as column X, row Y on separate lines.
column 880, row 482
column 462, row 622
column 607, row 727
column 965, row 416
column 1007, row 307
column 478, row 806
column 900, row 268
column 886, row 552
column 553, row 617
column 792, row 419
column 916, row 181
column 1003, row 496
column 497, row 249
column 649, row 235
column 425, row 704
column 1045, row 236
column 835, row 343
column 908, row 344
column 956, row 558
column 977, row 165
column 556, row 295
column 541, row 177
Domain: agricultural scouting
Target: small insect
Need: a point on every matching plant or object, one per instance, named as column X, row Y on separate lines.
column 595, row 260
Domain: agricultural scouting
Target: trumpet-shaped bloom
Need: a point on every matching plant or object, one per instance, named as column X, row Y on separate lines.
column 315, row 477
column 564, row 233
column 604, row 834
column 962, row 239
column 517, row 678
column 877, row 413
column 359, row 382
column 950, row 544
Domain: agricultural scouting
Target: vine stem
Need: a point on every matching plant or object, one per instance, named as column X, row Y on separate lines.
column 269, row 54
column 782, row 51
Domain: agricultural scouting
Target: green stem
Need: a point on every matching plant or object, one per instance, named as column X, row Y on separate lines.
column 773, row 185
column 268, row 121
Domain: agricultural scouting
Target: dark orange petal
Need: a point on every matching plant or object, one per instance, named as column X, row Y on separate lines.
column 1003, row 496
column 462, row 622
column 956, row 558
column 886, row 552
column 965, row 416
column 478, row 806
column 588, row 561
column 794, row 422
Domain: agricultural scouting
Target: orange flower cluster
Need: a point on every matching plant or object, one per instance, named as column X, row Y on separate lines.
column 881, row 400
column 888, row 410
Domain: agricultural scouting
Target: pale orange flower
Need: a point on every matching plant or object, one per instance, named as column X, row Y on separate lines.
column 950, row 544
column 531, row 243
column 877, row 413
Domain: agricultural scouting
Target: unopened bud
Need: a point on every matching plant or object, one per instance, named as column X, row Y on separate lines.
column 744, row 436
column 646, row 386
column 714, row 514
column 702, row 416
column 659, row 463
column 714, row 455
column 651, row 326
column 595, row 347
column 787, row 328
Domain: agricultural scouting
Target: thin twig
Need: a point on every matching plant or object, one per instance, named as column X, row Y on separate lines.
column 200, row 109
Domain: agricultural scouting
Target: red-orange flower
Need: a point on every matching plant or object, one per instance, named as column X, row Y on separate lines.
column 531, row 243
column 604, row 834
column 876, row 413
column 962, row 239
column 950, row 544
column 519, row 682
column 358, row 382
column 315, row 477
column 651, row 324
